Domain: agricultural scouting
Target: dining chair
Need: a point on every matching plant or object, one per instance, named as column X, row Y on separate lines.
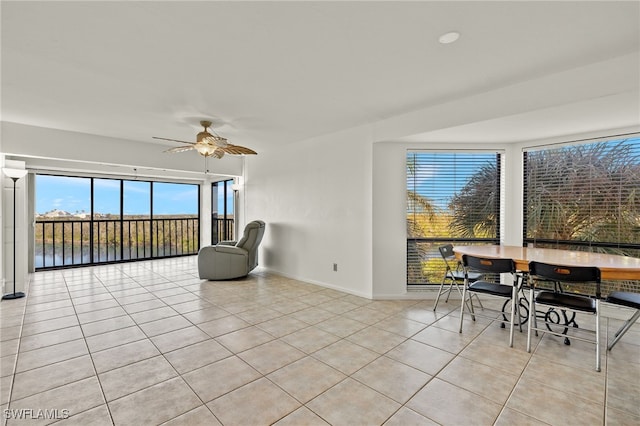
column 588, row 301
column 455, row 276
column 629, row 300
column 491, row 288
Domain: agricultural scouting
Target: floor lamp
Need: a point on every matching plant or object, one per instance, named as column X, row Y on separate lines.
column 14, row 174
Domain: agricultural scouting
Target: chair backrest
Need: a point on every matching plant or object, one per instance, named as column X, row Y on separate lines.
column 565, row 273
column 447, row 254
column 251, row 239
column 485, row 264
column 446, row 251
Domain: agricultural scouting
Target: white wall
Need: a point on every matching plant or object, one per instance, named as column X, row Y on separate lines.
column 341, row 197
column 315, row 197
column 21, row 247
column 87, row 152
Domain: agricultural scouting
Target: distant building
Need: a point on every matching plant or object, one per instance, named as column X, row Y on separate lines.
column 57, row 213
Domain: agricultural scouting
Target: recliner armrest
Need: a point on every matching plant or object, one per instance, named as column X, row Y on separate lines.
column 227, row 243
column 231, row 250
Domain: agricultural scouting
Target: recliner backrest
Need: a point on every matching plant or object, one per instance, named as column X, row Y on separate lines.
column 251, row 239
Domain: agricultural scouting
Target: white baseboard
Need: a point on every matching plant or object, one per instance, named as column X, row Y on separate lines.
column 318, row 283
column 415, row 293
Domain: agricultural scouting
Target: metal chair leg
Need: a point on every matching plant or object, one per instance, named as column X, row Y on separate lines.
column 597, row 334
column 462, row 303
column 451, row 284
column 532, row 309
column 439, row 292
column 478, row 299
column 471, row 309
column 514, row 298
column 625, row 327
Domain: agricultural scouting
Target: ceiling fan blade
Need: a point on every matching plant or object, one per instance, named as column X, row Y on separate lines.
column 173, row 140
column 216, row 140
column 180, row 149
column 208, row 144
column 237, row 150
column 218, row 153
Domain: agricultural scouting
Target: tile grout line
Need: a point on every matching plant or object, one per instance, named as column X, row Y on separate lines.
column 275, row 337
column 95, row 371
column 15, row 361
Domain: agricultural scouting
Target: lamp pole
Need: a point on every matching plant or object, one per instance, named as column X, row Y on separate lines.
column 14, row 174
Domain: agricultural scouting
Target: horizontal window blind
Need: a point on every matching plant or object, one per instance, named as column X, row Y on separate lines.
column 584, row 197
column 452, row 197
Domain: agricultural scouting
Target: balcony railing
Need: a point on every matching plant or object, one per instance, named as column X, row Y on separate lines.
column 221, row 229
column 60, row 243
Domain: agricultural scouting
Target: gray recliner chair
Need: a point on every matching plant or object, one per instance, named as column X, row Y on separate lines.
column 228, row 259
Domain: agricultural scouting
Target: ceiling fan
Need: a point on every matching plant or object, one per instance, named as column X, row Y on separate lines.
column 209, row 144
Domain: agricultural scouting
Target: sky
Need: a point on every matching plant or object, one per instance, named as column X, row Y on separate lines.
column 73, row 194
column 440, row 175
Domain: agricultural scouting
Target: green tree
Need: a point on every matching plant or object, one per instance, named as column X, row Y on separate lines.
column 585, row 193
column 474, row 208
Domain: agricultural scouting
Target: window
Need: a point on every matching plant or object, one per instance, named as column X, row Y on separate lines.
column 451, row 197
column 222, row 211
column 63, row 221
column 106, row 220
column 584, row 197
column 175, row 206
column 136, row 208
column 85, row 220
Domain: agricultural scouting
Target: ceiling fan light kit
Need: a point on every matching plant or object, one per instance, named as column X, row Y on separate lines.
column 209, row 145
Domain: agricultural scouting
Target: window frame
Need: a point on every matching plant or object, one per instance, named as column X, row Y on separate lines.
column 436, row 241
column 562, row 243
column 224, row 224
column 117, row 255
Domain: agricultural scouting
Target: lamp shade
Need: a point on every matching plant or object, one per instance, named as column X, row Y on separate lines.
column 14, row 173
column 205, row 149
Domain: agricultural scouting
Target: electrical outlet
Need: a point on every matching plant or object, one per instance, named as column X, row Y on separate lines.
column 335, row 267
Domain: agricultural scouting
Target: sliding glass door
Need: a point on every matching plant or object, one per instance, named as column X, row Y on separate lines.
column 86, row 220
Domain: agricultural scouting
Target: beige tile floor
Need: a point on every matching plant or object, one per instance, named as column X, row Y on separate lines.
column 150, row 343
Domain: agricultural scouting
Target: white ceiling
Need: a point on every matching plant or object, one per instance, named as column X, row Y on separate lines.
column 271, row 73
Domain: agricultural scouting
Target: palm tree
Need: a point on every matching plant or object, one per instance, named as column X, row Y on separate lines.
column 475, row 209
column 585, row 193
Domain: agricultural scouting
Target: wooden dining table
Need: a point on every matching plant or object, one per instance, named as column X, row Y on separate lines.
column 612, row 267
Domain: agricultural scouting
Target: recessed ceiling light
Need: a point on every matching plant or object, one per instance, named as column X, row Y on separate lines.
column 449, row 37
